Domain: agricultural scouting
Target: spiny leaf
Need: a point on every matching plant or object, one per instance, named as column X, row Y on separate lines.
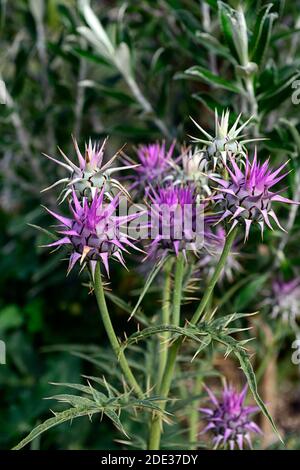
column 110, row 389
column 154, row 330
column 74, row 400
column 227, row 319
column 116, row 420
column 59, row 418
column 81, row 388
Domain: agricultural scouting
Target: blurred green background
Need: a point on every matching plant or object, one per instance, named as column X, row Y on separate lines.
column 58, row 83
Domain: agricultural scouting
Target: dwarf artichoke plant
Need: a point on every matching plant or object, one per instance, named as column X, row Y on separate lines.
column 179, row 214
column 173, row 211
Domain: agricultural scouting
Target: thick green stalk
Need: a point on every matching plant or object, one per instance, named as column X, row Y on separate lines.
column 177, row 293
column 99, row 292
column 166, row 301
column 156, row 422
column 155, row 431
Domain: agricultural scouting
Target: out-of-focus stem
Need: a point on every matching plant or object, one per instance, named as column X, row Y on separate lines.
column 156, row 422
column 194, row 417
column 269, row 387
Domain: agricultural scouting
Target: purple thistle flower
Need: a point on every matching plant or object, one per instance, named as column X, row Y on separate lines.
column 229, row 419
column 93, row 233
column 246, row 196
column 90, row 174
column 175, row 220
column 155, row 164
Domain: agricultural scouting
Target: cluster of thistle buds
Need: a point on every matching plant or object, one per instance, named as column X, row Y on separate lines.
column 216, row 180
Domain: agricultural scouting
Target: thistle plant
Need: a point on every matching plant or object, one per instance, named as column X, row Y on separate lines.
column 193, row 205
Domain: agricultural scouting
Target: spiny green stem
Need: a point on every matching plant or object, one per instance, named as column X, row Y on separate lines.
column 156, row 422
column 99, row 292
column 156, row 427
column 165, row 321
column 177, row 293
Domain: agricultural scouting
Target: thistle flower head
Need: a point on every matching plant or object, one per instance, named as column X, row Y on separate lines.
column 247, row 197
column 155, row 164
column 229, row 419
column 89, row 174
column 175, row 215
column 93, row 232
column 225, row 142
column 284, row 300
